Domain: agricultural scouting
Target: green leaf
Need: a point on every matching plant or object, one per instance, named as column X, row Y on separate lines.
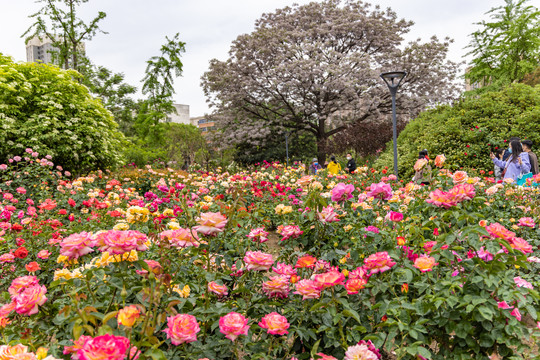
column 424, row 352
column 486, row 312
column 315, row 348
column 352, row 313
column 155, row 354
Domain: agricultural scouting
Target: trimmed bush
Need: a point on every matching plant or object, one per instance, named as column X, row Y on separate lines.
column 467, row 131
column 44, row 108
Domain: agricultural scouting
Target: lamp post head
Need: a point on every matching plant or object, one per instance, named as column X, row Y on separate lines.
column 393, row 79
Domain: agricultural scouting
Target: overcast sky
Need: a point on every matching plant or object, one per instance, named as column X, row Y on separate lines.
column 137, row 28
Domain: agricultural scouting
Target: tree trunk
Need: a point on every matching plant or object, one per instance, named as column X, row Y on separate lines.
column 321, row 150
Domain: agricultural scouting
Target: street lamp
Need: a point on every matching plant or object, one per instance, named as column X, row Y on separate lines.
column 287, row 147
column 392, row 80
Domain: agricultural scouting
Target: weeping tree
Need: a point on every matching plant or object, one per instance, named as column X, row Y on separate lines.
column 315, row 68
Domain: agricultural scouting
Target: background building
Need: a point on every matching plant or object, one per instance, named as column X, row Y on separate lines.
column 205, row 125
column 42, row 50
column 181, row 116
column 39, row 50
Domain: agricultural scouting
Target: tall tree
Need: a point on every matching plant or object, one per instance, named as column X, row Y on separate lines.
column 57, row 21
column 158, row 85
column 508, row 47
column 315, row 68
column 115, row 94
column 183, row 142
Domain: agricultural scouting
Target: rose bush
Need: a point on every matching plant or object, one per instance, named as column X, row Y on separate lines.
column 164, row 265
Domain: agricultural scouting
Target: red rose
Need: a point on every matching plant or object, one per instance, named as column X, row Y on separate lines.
column 16, row 227
column 21, row 252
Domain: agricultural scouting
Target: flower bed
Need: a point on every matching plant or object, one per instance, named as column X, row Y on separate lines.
column 172, row 265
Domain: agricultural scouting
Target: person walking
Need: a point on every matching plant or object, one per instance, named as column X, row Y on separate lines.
column 533, row 159
column 314, row 167
column 351, row 164
column 333, row 167
column 516, row 165
column 422, row 175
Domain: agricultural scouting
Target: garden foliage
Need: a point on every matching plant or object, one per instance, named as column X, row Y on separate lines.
column 265, row 265
column 468, row 130
column 43, row 107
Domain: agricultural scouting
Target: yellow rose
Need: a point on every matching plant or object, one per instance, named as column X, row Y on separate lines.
column 128, row 316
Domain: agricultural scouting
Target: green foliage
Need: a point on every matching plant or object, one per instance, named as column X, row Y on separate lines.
column 158, row 85
column 115, row 95
column 182, row 142
column 508, row 47
column 44, row 108
column 300, row 146
column 137, row 152
column 469, row 130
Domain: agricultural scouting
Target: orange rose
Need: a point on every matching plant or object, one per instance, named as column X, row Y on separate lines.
column 32, row 267
column 128, row 316
column 425, row 263
column 439, row 160
column 460, row 177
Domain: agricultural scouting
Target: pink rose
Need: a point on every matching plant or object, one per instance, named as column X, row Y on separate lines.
column 342, row 192
column 211, row 223
column 276, row 287
column 19, row 284
column 380, row 190
column 462, row 192
column 379, row 262
column 43, row 254
column 182, row 328
column 394, row 216
column 503, row 305
column 179, row 238
column 275, row 324
column 76, row 245
column 220, row 290
column 117, row 242
column 309, row 289
column 523, row 283
column 327, row 215
column 233, row 325
column 258, row 235
column 526, row 221
column 258, row 260
column 27, row 302
column 289, row 231
column 516, row 314
column 440, row 198
column 521, row 245
column 360, row 352
column 329, row 279
column 107, row 347
column 284, row 269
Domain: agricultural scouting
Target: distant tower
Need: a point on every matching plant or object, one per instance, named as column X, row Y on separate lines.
column 42, row 49
column 39, row 50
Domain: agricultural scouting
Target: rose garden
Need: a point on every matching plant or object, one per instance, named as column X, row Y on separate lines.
column 125, row 235
column 266, row 264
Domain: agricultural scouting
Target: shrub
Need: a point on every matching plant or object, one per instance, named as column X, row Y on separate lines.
column 44, row 108
column 469, row 130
